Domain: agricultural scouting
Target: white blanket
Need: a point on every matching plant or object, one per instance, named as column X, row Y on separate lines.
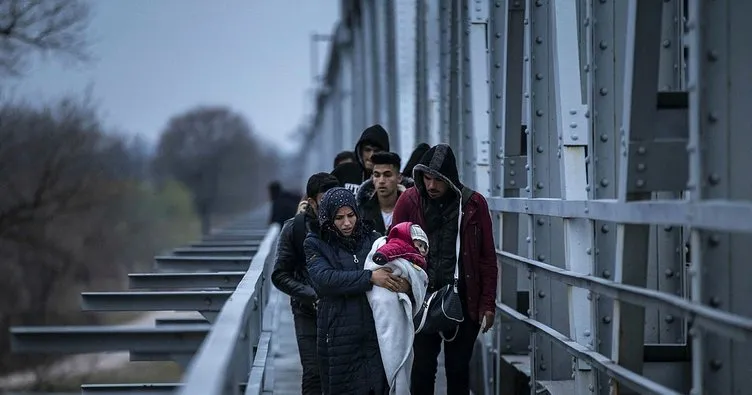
column 393, row 314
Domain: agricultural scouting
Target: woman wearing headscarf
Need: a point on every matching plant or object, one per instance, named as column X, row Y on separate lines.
column 348, row 348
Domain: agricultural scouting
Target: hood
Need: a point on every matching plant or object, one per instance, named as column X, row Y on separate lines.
column 418, row 153
column 401, row 231
column 374, row 135
column 333, row 200
column 439, row 162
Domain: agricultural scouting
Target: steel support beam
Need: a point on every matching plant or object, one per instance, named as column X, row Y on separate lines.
column 154, row 301
column 184, row 280
column 220, row 243
column 202, row 263
column 90, row 339
column 215, row 251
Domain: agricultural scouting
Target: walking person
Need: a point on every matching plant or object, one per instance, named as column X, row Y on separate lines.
column 348, row 348
column 291, row 277
column 458, row 224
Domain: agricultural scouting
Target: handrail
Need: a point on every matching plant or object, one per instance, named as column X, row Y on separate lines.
column 213, row 370
column 731, row 325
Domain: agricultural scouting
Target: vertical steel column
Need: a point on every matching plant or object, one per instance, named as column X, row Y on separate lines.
column 445, row 69
column 640, row 111
column 367, row 76
column 455, row 81
column 390, row 74
column 478, row 140
column 421, row 73
column 548, row 302
column 506, row 43
column 375, row 53
column 359, row 77
column 466, row 131
column 345, row 78
column 666, row 274
column 720, row 89
column 573, row 132
column 603, row 89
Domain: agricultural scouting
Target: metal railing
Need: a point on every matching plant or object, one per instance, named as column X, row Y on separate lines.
column 237, row 346
column 223, row 277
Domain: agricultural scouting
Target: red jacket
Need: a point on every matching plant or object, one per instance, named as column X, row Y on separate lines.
column 477, row 249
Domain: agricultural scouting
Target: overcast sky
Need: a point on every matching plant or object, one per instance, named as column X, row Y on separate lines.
column 156, row 58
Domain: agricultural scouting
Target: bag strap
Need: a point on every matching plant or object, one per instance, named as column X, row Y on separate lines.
column 465, row 194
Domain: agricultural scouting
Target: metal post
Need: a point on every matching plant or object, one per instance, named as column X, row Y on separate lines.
column 572, row 130
column 421, row 73
column 391, row 74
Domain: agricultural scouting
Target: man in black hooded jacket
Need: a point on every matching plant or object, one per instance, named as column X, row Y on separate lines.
column 374, row 139
column 291, row 277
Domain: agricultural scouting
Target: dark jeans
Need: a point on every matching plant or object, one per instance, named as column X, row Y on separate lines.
column 305, row 332
column 457, row 354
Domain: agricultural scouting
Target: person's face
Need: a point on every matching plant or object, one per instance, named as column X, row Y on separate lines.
column 345, row 220
column 421, row 246
column 366, row 152
column 435, row 187
column 385, row 179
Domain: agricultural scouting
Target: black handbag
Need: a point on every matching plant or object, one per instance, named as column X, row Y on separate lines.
column 441, row 311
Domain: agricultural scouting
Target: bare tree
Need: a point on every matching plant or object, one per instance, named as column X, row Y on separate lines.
column 213, row 152
column 46, row 26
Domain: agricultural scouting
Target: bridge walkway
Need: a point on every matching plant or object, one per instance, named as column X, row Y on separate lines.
column 286, row 369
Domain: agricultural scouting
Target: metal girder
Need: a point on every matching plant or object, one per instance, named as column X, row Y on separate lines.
column 227, row 353
column 184, row 280
column 220, row 243
column 630, row 379
column 159, row 357
column 730, row 325
column 239, row 236
column 257, row 377
column 90, row 339
column 202, row 263
column 180, row 321
column 136, row 388
column 154, row 301
column 730, row 216
column 214, row 251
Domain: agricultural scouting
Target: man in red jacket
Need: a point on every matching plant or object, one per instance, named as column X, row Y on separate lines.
column 459, row 230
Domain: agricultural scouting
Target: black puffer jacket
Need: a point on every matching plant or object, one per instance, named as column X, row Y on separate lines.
column 348, row 348
column 290, row 274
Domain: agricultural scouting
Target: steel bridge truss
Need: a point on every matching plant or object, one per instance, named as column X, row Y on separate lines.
column 612, row 140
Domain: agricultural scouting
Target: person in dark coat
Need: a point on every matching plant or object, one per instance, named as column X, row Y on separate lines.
column 284, row 204
column 458, row 224
column 374, row 139
column 415, row 159
column 348, row 348
column 290, row 276
column 349, row 175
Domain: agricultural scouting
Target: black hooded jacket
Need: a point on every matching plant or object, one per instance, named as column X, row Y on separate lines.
column 289, row 274
column 374, row 135
column 441, row 215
